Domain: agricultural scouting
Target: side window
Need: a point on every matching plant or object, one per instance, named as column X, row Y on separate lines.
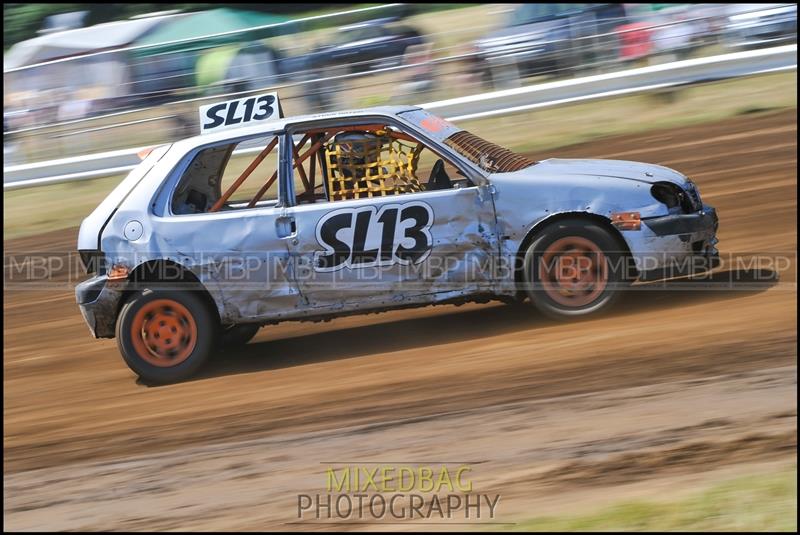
column 427, row 170
column 356, row 162
column 230, row 177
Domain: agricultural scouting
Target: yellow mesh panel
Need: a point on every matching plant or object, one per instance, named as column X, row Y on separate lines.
column 371, row 167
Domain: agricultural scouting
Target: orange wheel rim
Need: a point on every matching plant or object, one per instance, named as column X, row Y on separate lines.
column 573, row 271
column 164, row 333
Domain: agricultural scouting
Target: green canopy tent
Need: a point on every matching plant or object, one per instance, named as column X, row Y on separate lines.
column 236, row 68
column 213, row 28
column 200, row 48
column 212, row 65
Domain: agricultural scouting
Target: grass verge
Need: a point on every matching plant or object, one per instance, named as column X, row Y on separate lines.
column 754, row 503
column 567, row 125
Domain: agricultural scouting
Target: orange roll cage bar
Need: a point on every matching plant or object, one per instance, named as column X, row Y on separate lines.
column 323, row 136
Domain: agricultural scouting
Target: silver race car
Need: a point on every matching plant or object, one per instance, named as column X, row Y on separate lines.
column 262, row 219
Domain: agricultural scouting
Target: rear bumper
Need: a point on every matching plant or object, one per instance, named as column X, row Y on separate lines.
column 675, row 245
column 99, row 303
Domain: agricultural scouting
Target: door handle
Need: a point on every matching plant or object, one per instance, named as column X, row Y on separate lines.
column 285, row 226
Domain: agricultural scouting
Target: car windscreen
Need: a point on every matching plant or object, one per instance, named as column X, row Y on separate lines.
column 488, row 156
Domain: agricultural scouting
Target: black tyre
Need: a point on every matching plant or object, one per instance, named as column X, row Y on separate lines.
column 574, row 267
column 237, row 335
column 166, row 335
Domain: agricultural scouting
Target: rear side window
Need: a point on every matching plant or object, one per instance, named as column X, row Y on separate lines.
column 230, row 177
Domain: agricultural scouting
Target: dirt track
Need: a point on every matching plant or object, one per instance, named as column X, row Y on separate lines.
column 673, row 388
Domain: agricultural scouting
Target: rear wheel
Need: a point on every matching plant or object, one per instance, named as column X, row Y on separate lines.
column 573, row 268
column 165, row 336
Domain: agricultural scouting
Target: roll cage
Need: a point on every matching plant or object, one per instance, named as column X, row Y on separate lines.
column 314, row 134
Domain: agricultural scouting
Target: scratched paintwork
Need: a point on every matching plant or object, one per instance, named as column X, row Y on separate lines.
column 484, row 225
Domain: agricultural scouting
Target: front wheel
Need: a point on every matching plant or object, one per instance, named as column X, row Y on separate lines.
column 165, row 336
column 574, row 268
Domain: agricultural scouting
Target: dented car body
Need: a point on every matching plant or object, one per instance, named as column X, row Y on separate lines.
column 371, row 233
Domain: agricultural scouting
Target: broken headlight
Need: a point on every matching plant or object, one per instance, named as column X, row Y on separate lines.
column 672, row 196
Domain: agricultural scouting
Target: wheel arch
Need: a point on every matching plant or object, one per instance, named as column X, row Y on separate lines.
column 541, row 225
column 155, row 271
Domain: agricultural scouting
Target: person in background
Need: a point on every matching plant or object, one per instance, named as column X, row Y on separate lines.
column 73, row 108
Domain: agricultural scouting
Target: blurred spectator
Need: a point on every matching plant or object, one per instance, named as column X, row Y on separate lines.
column 421, row 76
column 74, row 107
column 11, row 153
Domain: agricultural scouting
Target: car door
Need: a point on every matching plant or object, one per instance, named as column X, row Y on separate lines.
column 421, row 246
column 238, row 252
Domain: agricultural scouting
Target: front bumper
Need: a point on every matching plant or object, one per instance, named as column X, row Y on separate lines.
column 699, row 222
column 99, row 302
column 675, row 245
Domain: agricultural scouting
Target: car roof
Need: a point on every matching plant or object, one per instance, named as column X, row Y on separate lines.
column 190, row 143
